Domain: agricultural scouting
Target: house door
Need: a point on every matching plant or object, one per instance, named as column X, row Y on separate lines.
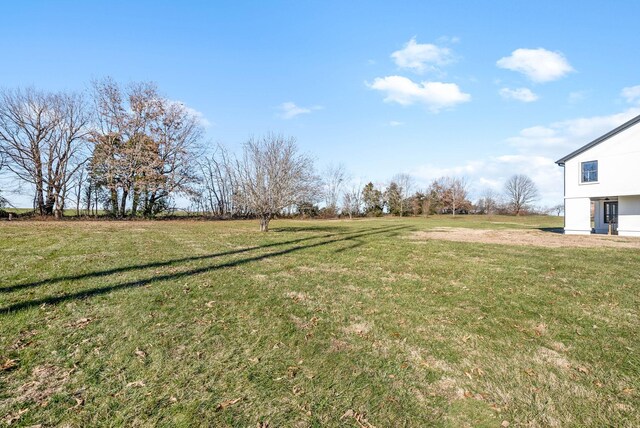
column 611, row 215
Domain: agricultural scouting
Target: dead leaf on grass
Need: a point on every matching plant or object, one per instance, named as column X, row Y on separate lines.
column 360, row 418
column 15, row 417
column 583, row 369
column 292, row 372
column 478, row 371
column 8, row 364
column 23, row 340
column 136, row 384
column 540, row 329
column 79, row 402
column 228, row 403
column 140, row 353
column 210, row 304
column 79, row 324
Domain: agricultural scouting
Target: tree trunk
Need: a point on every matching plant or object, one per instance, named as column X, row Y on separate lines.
column 264, row 222
column 114, row 202
column 134, row 203
column 123, row 204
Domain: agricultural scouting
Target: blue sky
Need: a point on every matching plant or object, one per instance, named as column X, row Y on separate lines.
column 467, row 88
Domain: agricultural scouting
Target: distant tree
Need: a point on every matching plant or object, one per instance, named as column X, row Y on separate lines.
column 449, row 194
column 419, row 203
column 307, row 209
column 488, row 202
column 42, row 137
column 352, row 202
column 333, row 180
column 393, row 197
column 272, row 175
column 372, row 199
column 558, row 209
column 218, row 186
column 520, row 192
column 405, row 187
column 458, row 193
column 145, row 146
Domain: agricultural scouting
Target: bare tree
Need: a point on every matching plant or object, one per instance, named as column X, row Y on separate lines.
column 405, row 187
column 334, row 177
column 272, row 175
column 352, row 201
column 218, row 183
column 488, row 202
column 520, row 191
column 558, row 209
column 42, row 136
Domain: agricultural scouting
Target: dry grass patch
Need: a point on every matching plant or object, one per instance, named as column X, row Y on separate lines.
column 525, row 237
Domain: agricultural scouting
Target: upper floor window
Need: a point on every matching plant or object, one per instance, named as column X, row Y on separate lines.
column 589, row 172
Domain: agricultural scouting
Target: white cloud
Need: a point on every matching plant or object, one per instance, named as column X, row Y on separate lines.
column 395, row 123
column 289, row 110
column 560, row 138
column 421, row 57
column 631, row 94
column 404, row 91
column 539, row 65
column 520, row 94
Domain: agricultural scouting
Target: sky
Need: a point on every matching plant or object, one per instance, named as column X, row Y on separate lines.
column 474, row 89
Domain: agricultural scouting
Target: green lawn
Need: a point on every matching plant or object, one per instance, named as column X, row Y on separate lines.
column 317, row 323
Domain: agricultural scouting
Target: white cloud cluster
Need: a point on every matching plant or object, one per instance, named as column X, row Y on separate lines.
column 559, row 138
column 435, row 95
column 519, row 94
column 289, row 110
column 631, row 94
column 539, row 65
column 421, row 57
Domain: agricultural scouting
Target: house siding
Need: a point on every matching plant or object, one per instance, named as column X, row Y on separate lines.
column 618, row 167
column 618, row 159
column 629, row 215
column 577, row 216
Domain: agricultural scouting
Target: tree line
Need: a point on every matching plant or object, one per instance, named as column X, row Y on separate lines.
column 128, row 151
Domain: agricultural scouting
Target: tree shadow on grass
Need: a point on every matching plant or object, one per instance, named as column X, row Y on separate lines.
column 106, row 272
column 52, row 300
column 295, row 229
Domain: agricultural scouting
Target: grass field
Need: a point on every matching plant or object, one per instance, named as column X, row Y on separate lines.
column 318, row 323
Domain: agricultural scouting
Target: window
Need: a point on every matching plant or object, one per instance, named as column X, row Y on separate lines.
column 589, row 172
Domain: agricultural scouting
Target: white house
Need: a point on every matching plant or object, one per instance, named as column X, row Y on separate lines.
column 602, row 184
